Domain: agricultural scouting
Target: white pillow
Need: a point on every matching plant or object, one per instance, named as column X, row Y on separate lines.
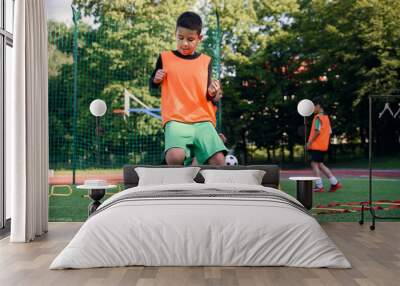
column 249, row 177
column 166, row 176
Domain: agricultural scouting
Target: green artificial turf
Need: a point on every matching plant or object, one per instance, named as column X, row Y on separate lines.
column 354, row 190
column 74, row 207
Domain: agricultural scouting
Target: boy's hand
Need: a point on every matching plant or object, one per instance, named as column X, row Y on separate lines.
column 214, row 90
column 159, row 76
column 223, row 138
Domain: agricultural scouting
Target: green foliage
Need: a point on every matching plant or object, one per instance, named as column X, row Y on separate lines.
column 253, row 107
column 279, row 52
column 355, row 45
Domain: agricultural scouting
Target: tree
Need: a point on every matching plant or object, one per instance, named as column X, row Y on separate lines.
column 354, row 44
column 252, row 106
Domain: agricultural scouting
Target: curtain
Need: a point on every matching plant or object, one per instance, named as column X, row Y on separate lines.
column 27, row 123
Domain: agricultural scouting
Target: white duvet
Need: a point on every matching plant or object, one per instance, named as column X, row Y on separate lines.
column 188, row 231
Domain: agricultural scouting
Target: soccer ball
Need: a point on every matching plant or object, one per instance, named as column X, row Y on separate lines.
column 231, row 160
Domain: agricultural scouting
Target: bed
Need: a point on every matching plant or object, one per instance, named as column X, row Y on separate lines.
column 201, row 224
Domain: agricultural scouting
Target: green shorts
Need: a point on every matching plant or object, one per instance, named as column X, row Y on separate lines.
column 199, row 140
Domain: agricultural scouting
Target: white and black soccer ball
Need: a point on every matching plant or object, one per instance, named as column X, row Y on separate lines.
column 231, row 160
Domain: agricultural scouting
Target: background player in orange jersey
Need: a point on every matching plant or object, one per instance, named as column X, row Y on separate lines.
column 318, row 144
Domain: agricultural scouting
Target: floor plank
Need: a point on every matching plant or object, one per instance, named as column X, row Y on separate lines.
column 375, row 257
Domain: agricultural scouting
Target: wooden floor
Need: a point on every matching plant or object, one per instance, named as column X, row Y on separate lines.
column 375, row 256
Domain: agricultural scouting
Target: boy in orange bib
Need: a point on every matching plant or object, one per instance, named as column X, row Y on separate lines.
column 318, row 144
column 188, row 98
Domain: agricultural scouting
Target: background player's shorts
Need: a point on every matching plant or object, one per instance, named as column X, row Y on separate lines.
column 199, row 140
column 317, row 155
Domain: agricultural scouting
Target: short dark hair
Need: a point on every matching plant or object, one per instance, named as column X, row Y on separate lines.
column 191, row 21
column 318, row 101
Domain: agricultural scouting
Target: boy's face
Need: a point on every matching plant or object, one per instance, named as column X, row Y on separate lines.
column 187, row 40
column 317, row 109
